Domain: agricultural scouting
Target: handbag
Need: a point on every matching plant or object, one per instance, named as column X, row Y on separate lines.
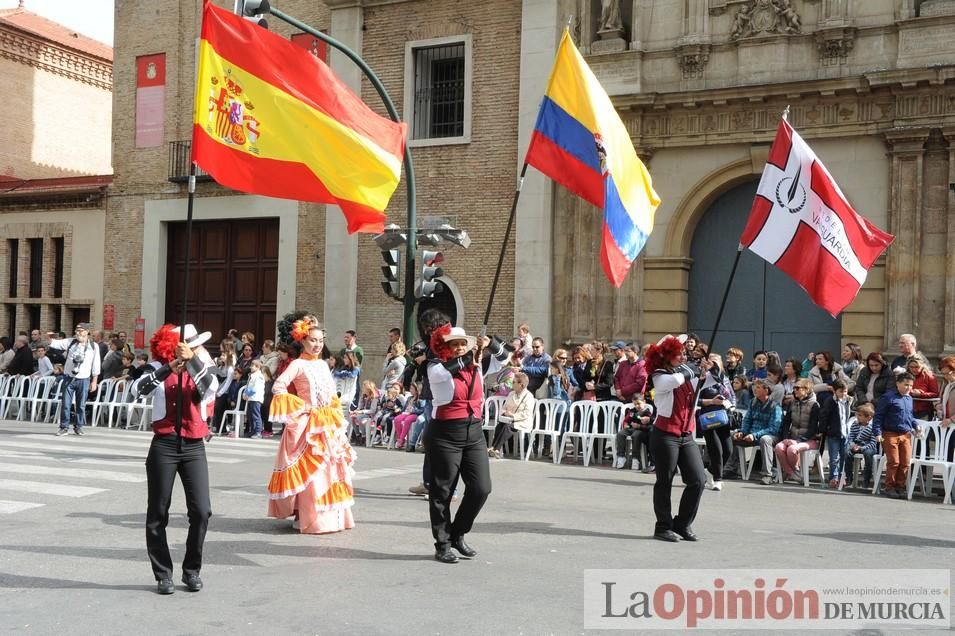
column 712, row 419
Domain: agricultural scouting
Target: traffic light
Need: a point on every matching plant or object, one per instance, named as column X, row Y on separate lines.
column 427, row 286
column 390, row 270
column 253, row 10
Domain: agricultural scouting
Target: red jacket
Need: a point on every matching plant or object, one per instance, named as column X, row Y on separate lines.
column 631, row 377
column 925, row 382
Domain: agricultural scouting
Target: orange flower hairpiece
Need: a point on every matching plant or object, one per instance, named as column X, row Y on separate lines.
column 300, row 329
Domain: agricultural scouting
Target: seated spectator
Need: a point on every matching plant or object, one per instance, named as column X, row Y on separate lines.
column 807, row 364
column 605, row 363
column 128, row 359
column 852, row 361
column 6, row 353
column 536, row 365
column 22, row 362
column 414, row 408
column 834, row 419
column 774, row 380
column 824, row 374
column 862, row 441
column 503, row 380
column 761, row 427
column 584, row 374
column 791, row 377
column 637, row 427
column 366, row 411
column 741, row 390
column 799, row 431
column 113, row 362
column 140, row 365
column 391, row 404
column 394, row 366
column 517, row 415
column 734, row 363
column 631, row 376
column 270, row 360
column 43, row 365
column 945, row 410
column 924, row 387
column 893, row 426
column 559, row 386
column 345, row 372
column 874, row 379
column 760, row 360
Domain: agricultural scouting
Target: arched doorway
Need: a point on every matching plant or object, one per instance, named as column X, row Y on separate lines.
column 766, row 309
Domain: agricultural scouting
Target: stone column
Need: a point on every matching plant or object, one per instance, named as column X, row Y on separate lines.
column 341, row 250
column 948, row 334
column 907, row 151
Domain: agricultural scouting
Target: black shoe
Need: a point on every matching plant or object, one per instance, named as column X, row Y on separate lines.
column 687, row 534
column 445, row 556
column 192, row 581
column 165, row 586
column 63, row 431
column 78, row 431
column 666, row 535
column 462, row 547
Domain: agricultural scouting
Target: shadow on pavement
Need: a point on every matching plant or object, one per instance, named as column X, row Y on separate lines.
column 529, row 527
column 872, row 538
column 15, row 581
column 612, row 482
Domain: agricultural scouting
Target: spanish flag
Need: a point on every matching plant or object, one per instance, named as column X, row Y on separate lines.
column 272, row 119
column 580, row 142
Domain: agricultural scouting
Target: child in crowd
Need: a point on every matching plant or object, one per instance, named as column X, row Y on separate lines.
column 741, row 389
column 367, row 408
column 43, row 365
column 390, row 406
column 734, row 363
column 636, row 428
column 892, row 426
column 345, row 372
column 414, row 408
column 834, row 424
column 758, row 372
column 255, row 395
column 232, row 393
column 861, row 440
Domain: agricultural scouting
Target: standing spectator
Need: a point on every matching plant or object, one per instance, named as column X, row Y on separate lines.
column 246, row 356
column 285, row 358
column 56, row 356
column 247, row 338
column 852, row 361
column 527, row 340
column 255, row 394
column 924, row 388
column 36, row 340
column 99, row 338
column 536, row 366
column 908, row 346
column 874, row 379
column 124, row 344
column 824, row 374
column 394, row 367
column 690, row 345
column 734, row 363
column 6, row 353
column 946, row 406
column 22, row 362
column 394, row 335
column 862, row 441
column 351, row 345
column 584, row 373
column 761, row 427
column 800, row 429
column 715, row 397
column 43, row 364
column 233, row 335
column 631, row 376
column 834, row 423
column 225, row 370
column 893, row 426
column 82, row 372
column 112, row 366
column 269, row 359
column 345, row 374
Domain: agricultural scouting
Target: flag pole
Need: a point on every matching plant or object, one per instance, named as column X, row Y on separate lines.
column 409, row 298
column 500, row 258
column 190, row 201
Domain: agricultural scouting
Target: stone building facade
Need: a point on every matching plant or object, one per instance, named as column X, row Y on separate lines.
column 701, row 85
column 54, row 171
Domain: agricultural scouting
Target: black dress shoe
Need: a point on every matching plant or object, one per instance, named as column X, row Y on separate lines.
column 462, row 547
column 445, row 556
column 666, row 535
column 687, row 534
column 192, row 581
column 165, row 586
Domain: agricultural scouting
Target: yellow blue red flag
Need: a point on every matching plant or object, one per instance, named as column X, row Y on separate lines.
column 580, row 142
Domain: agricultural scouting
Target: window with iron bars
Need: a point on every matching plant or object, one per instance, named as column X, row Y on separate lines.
column 439, row 91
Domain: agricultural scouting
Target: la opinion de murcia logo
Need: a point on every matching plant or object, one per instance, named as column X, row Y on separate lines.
column 230, row 113
column 790, row 194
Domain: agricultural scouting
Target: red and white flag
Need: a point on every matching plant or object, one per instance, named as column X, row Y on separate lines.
column 803, row 224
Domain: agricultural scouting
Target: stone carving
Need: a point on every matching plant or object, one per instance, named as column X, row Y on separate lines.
column 610, row 16
column 692, row 60
column 834, row 45
column 765, row 16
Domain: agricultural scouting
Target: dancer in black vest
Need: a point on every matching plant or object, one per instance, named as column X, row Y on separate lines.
column 454, row 439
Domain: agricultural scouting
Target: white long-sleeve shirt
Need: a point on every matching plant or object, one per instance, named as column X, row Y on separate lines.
column 89, row 368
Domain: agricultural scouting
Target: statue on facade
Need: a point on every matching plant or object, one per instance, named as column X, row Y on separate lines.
column 741, row 23
column 765, row 16
column 610, row 16
column 789, row 21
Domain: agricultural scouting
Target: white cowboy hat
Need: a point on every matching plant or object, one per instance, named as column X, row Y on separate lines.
column 458, row 333
column 193, row 338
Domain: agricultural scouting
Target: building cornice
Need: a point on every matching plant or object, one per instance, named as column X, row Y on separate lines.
column 43, row 55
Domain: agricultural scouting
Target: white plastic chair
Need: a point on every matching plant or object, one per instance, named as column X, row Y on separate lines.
column 606, row 423
column 932, row 457
column 116, row 406
column 583, row 413
column 4, row 387
column 40, row 395
column 237, row 414
column 548, row 415
column 100, row 401
column 492, row 408
column 143, row 404
column 53, row 403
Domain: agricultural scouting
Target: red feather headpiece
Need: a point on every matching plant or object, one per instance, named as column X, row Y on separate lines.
column 162, row 345
column 660, row 354
column 438, row 346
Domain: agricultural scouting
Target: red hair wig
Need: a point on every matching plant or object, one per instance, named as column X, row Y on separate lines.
column 660, row 354
column 162, row 345
column 438, row 346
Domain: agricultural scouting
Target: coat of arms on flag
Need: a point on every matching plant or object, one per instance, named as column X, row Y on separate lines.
column 802, row 223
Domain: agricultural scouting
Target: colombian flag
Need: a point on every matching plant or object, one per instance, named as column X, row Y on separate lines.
column 272, row 119
column 580, row 142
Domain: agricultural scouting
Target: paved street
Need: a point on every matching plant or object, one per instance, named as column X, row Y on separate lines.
column 72, row 555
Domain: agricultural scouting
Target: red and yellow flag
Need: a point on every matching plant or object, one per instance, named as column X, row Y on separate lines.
column 272, row 119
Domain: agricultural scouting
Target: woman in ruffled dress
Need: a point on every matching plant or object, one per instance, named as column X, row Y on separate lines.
column 312, row 477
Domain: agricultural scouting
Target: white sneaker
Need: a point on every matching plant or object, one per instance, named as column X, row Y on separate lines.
column 717, row 485
column 620, row 463
column 709, row 482
column 296, row 525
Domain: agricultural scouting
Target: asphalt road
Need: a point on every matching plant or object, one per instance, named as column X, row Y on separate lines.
column 73, row 561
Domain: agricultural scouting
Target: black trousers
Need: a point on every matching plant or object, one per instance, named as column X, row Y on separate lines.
column 670, row 452
column 503, row 433
column 162, row 464
column 456, row 448
column 719, row 446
